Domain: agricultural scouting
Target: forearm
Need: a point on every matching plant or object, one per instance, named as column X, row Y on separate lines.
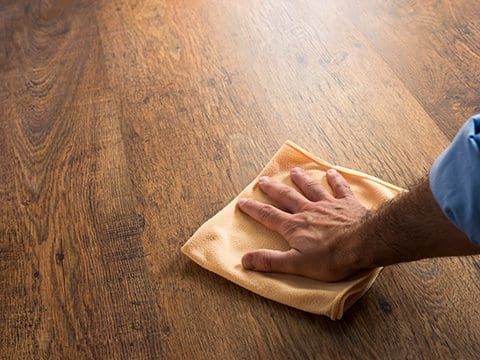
column 410, row 227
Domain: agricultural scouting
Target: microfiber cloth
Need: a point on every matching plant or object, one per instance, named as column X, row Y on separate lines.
column 219, row 244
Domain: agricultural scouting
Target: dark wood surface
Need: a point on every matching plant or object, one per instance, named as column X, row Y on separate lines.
column 126, row 124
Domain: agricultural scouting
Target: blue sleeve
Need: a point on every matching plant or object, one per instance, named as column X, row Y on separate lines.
column 455, row 180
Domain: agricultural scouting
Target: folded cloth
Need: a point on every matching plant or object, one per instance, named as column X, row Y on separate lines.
column 219, row 244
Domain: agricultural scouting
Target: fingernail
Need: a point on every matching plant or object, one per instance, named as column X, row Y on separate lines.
column 242, row 201
column 263, row 180
column 296, row 170
column 247, row 261
column 331, row 171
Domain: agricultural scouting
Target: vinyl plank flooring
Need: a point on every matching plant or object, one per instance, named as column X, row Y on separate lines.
column 126, row 124
column 432, row 46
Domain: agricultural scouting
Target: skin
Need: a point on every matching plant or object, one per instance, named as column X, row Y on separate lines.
column 333, row 237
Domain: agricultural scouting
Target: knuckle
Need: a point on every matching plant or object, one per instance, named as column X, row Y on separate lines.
column 311, row 184
column 344, row 187
column 265, row 212
column 304, row 218
column 285, row 192
column 303, row 234
column 298, row 226
column 265, row 262
column 291, row 226
column 294, row 266
column 307, row 206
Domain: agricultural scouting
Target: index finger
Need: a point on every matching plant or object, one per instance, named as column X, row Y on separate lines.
column 265, row 214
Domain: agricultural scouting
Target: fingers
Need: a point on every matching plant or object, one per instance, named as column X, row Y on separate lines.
column 265, row 214
column 289, row 198
column 338, row 184
column 312, row 189
column 272, row 261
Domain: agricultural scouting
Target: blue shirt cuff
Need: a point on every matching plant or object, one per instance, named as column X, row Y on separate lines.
column 455, row 180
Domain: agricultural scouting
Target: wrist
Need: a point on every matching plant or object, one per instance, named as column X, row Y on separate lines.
column 354, row 253
column 369, row 247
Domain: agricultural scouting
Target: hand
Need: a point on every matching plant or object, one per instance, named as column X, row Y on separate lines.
column 316, row 225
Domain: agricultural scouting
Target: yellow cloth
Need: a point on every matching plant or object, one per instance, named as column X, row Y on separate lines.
column 219, row 244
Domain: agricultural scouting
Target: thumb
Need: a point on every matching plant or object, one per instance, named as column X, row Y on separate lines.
column 271, row 260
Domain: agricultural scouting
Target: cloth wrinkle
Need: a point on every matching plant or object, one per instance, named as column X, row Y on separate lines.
column 219, row 244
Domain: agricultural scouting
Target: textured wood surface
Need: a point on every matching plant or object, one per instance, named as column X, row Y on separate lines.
column 126, row 124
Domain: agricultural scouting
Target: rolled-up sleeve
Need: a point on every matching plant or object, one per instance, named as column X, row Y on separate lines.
column 455, row 180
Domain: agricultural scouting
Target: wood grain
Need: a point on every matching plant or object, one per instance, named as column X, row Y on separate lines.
column 432, row 46
column 126, row 124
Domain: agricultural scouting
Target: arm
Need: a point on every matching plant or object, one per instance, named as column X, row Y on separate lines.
column 412, row 227
column 332, row 237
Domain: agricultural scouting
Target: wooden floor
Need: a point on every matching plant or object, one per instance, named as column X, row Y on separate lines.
column 126, row 124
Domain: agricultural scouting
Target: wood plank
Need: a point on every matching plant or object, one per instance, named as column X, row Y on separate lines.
column 76, row 282
column 127, row 124
column 433, row 47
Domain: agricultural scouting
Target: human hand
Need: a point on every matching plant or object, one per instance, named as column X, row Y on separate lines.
column 317, row 226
